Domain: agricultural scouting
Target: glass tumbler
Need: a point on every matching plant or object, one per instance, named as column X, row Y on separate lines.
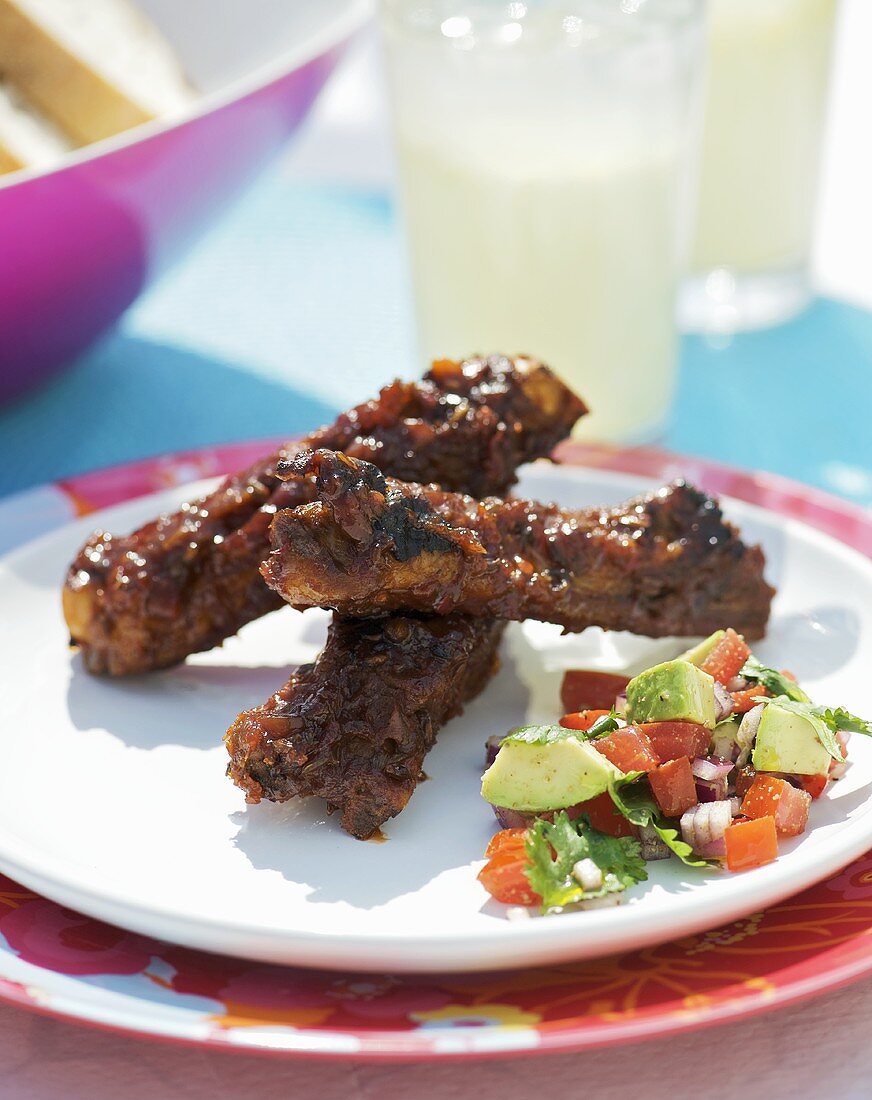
column 543, row 153
column 768, row 76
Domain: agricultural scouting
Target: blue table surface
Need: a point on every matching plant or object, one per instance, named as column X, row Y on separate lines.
column 297, row 304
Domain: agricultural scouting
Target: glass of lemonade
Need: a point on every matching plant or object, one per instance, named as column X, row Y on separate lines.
column 768, row 75
column 543, row 149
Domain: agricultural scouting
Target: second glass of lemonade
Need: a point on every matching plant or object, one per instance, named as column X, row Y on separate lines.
column 766, row 99
column 544, row 150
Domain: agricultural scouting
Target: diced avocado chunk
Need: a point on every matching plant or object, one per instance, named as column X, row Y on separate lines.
column 698, row 653
column 788, row 742
column 547, row 774
column 675, row 691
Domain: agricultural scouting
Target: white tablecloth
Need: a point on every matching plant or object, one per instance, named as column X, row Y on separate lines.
column 817, row 1050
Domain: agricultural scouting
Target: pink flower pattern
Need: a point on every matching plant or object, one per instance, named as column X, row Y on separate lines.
column 855, row 882
column 58, row 939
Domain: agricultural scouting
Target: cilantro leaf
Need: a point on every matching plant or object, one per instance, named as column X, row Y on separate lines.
column 637, row 804
column 775, row 682
column 548, row 734
column 826, row 721
column 618, row 856
column 538, row 735
column 553, row 849
column 846, row 722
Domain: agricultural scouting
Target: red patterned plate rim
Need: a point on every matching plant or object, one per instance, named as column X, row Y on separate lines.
column 816, row 941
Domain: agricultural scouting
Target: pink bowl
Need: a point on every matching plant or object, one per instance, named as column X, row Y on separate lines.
column 79, row 242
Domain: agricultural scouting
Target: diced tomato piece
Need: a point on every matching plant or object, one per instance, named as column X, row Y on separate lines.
column 744, row 780
column 751, row 843
column 673, row 739
column 506, row 839
column 510, row 852
column 747, row 698
column 770, row 796
column 585, row 689
column 506, row 858
column 727, row 658
column 629, row 749
column 507, row 882
column 673, row 787
column 762, row 797
column 792, row 816
column 582, row 719
column 814, row 784
column 603, row 816
column 504, row 876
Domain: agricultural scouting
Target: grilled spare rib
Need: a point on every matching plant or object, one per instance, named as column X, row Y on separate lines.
column 662, row 564
column 188, row 580
column 354, row 727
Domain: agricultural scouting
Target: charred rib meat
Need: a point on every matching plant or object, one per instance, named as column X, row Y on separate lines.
column 354, row 727
column 663, row 564
column 186, row 581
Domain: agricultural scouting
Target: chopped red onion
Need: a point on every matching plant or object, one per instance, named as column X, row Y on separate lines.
column 710, row 790
column 621, row 704
column 710, row 768
column 491, row 748
column 735, row 805
column 705, row 823
column 723, row 702
column 512, row 819
column 738, row 683
column 837, row 770
column 715, row 849
column 711, row 777
column 747, row 731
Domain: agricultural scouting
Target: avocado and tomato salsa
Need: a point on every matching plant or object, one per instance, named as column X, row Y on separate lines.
column 711, row 758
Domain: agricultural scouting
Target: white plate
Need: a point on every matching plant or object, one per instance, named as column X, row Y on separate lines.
column 113, row 798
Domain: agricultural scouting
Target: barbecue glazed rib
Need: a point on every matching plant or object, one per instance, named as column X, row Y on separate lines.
column 355, row 726
column 662, row 564
column 185, row 582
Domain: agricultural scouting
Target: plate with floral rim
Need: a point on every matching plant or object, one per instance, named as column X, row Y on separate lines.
column 53, row 958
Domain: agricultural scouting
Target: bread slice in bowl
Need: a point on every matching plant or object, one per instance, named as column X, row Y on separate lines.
column 94, row 67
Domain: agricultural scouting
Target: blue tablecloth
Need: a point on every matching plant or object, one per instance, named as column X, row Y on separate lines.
column 297, row 305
